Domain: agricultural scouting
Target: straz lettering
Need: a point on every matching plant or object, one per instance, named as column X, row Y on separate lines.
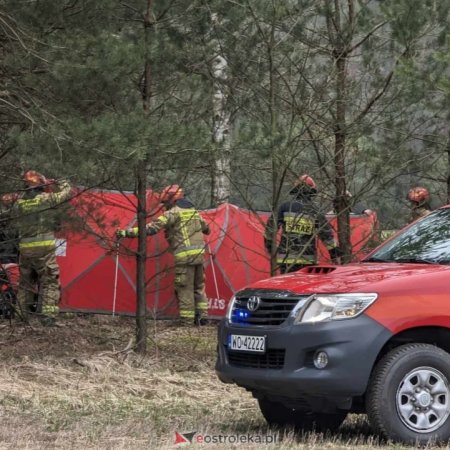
column 299, row 225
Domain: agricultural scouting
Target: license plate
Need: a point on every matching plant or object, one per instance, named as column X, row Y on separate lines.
column 247, row 343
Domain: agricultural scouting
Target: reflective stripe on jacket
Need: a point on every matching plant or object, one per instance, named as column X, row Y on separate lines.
column 302, row 223
column 184, row 229
column 36, row 218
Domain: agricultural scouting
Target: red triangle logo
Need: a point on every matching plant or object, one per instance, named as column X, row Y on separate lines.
column 179, row 438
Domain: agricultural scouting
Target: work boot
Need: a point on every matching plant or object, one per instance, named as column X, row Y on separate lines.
column 179, row 322
column 47, row 321
column 200, row 321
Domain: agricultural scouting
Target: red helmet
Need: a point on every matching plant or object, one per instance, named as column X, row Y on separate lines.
column 418, row 195
column 9, row 198
column 33, row 178
column 171, row 193
column 307, row 181
column 304, row 183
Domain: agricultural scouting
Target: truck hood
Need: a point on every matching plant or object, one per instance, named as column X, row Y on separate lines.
column 361, row 277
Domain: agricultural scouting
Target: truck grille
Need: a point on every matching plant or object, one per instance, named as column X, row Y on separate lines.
column 272, row 359
column 273, row 307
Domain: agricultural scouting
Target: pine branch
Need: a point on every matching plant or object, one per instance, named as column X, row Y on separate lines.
column 367, row 36
column 381, row 92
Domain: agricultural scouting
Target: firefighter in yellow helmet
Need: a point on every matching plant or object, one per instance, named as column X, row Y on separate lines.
column 184, row 229
column 419, row 198
column 34, row 211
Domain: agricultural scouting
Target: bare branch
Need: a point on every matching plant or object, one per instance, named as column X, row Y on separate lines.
column 380, row 93
column 367, row 36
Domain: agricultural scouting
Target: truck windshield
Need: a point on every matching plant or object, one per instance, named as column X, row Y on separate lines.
column 427, row 241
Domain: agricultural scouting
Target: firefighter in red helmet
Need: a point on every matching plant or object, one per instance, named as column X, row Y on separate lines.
column 184, row 229
column 301, row 222
column 35, row 210
column 419, row 198
column 171, row 194
column 304, row 181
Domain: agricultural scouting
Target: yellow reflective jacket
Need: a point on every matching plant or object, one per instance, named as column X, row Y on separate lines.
column 419, row 211
column 35, row 218
column 184, row 229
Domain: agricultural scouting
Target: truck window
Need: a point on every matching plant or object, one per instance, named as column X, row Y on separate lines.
column 426, row 241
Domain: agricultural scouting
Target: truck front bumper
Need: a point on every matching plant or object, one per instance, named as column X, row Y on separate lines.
column 287, row 370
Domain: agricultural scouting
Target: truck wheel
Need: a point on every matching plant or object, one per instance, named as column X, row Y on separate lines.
column 408, row 398
column 279, row 415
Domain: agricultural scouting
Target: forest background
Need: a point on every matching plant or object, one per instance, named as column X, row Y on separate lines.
column 231, row 99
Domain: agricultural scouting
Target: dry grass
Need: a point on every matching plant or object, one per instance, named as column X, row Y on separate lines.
column 75, row 387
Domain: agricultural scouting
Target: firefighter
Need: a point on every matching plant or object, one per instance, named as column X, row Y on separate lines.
column 419, row 198
column 301, row 223
column 183, row 228
column 9, row 238
column 34, row 210
column 357, row 208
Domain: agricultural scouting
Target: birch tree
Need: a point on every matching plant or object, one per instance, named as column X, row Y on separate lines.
column 221, row 133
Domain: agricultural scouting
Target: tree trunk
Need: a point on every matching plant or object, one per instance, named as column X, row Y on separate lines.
column 448, row 169
column 221, row 125
column 141, row 174
column 141, row 258
column 340, row 134
column 149, row 29
column 340, row 31
column 276, row 187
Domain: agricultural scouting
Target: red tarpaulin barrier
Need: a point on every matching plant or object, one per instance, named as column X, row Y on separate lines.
column 235, row 255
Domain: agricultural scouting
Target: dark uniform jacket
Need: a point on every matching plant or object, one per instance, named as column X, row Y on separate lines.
column 301, row 223
column 9, row 242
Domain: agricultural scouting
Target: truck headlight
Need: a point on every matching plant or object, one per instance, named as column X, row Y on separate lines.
column 323, row 308
column 230, row 307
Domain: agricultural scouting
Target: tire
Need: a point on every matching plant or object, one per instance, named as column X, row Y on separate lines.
column 279, row 415
column 408, row 399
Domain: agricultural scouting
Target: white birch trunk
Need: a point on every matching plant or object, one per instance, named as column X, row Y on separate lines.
column 221, row 126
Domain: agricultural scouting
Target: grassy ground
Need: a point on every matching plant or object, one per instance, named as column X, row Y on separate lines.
column 79, row 386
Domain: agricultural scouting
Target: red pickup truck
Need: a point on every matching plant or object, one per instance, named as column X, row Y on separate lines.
column 370, row 337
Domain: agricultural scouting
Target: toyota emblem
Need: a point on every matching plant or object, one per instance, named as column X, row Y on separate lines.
column 253, row 303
